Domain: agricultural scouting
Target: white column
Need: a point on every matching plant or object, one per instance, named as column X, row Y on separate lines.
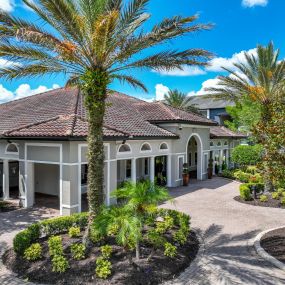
column 6, row 185
column 221, row 159
column 30, row 185
column 134, row 170
column 168, row 175
column 151, row 176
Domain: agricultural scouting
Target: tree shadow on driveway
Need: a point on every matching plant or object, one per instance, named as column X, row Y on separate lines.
column 229, row 259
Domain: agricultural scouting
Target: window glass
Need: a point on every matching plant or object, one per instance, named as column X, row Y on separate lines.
column 84, row 173
column 146, row 166
column 196, row 158
column 128, row 168
column 163, row 146
column 124, row 148
column 12, row 148
column 145, row 147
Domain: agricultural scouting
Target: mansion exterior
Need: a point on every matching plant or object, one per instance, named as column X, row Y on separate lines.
column 43, row 146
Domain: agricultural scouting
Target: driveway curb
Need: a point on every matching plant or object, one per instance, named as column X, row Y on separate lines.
column 262, row 253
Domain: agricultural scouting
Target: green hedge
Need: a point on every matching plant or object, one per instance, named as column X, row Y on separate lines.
column 47, row 228
column 244, row 191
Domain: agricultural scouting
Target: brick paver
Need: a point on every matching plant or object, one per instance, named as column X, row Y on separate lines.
column 226, row 228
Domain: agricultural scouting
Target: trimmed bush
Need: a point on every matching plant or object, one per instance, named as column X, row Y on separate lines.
column 106, row 251
column 247, row 155
column 59, row 264
column 283, row 201
column 25, row 238
column 275, row 195
column 244, row 191
column 74, row 232
column 180, row 237
column 47, row 228
column 55, row 246
column 34, row 252
column 169, row 249
column 78, row 251
column 280, row 191
column 103, row 268
column 263, row 198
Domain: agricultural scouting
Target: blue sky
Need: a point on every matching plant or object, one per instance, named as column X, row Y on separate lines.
column 239, row 26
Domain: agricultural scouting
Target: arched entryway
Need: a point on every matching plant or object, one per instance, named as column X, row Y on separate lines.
column 194, row 156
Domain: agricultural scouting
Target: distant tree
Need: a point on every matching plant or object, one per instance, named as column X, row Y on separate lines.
column 259, row 79
column 245, row 116
column 178, row 99
column 245, row 155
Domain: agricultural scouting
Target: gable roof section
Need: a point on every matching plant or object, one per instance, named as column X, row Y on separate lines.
column 61, row 114
column 223, row 132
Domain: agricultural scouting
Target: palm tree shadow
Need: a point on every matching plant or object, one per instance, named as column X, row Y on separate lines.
column 229, row 259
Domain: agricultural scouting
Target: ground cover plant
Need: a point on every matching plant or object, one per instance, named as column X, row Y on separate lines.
column 6, row 206
column 133, row 242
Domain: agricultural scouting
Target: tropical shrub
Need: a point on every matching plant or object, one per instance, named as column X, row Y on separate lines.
column 106, row 251
column 280, row 191
column 283, row 201
column 263, row 198
column 228, row 174
column 78, row 251
column 275, row 195
column 59, row 264
column 245, row 155
column 103, row 268
column 180, row 236
column 244, row 191
column 170, row 250
column 155, row 238
column 242, row 176
column 47, row 228
column 74, row 232
column 33, row 252
column 55, row 245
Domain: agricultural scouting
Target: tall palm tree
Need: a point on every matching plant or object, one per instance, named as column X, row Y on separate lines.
column 259, row 78
column 178, row 99
column 93, row 42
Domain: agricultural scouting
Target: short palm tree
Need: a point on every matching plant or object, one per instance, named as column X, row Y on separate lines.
column 178, row 99
column 259, row 79
column 93, row 42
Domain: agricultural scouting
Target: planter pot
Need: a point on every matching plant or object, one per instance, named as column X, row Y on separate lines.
column 210, row 173
column 185, row 179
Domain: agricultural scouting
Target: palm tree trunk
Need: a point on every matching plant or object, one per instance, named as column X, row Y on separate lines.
column 137, row 250
column 95, row 92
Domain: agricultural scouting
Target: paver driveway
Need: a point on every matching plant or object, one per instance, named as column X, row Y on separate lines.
column 226, row 226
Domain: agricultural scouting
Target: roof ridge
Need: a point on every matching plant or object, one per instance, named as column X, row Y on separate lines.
column 32, row 124
column 168, row 110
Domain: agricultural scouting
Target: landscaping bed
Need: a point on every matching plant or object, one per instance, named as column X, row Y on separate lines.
column 133, row 242
column 6, row 206
column 273, row 203
column 158, row 269
column 273, row 243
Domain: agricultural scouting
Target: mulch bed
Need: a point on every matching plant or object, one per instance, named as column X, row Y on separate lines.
column 273, row 203
column 6, row 206
column 274, row 244
column 155, row 271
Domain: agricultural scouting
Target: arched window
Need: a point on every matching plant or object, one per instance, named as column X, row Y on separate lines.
column 12, row 148
column 225, row 143
column 219, row 144
column 124, row 148
column 146, row 147
column 211, row 144
column 163, row 146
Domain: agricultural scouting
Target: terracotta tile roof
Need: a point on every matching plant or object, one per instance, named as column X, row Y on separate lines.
column 223, row 132
column 60, row 113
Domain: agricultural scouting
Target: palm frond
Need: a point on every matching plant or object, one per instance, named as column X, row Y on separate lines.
column 130, row 80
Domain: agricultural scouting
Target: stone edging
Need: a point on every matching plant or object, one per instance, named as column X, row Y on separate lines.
column 262, row 253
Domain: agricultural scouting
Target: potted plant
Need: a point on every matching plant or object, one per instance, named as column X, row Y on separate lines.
column 210, row 168
column 185, row 174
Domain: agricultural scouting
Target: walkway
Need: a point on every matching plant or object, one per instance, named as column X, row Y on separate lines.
column 226, row 226
column 10, row 224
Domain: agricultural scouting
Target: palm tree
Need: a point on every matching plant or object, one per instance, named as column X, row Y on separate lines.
column 178, row 99
column 259, row 79
column 93, row 42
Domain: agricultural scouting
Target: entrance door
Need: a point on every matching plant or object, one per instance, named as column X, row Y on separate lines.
column 161, row 170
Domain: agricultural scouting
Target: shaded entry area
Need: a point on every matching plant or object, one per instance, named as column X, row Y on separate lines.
column 46, row 185
column 161, row 170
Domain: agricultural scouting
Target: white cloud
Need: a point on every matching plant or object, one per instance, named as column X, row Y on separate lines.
column 23, row 90
column 160, row 91
column 213, row 82
column 252, row 3
column 217, row 63
column 7, row 5
column 186, row 71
